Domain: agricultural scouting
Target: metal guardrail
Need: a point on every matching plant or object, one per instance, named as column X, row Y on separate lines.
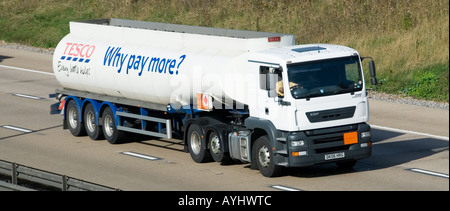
column 57, row 181
column 4, row 186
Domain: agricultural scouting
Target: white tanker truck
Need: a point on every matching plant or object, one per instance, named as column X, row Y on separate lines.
column 249, row 96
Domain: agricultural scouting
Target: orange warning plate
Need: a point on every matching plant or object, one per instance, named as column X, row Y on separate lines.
column 350, row 138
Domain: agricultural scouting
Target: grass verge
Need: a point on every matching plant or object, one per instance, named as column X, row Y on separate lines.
column 408, row 39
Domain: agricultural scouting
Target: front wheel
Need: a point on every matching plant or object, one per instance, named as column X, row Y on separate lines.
column 262, row 154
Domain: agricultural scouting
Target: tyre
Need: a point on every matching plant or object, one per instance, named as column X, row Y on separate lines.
column 197, row 144
column 93, row 130
column 262, row 154
column 72, row 114
column 112, row 135
column 216, row 148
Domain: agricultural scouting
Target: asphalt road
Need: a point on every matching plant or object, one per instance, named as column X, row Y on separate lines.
column 410, row 151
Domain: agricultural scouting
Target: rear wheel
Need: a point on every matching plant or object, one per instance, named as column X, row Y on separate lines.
column 75, row 125
column 93, row 130
column 197, row 144
column 217, row 147
column 264, row 157
column 110, row 131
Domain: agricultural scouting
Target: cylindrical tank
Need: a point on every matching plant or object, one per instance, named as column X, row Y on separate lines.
column 131, row 59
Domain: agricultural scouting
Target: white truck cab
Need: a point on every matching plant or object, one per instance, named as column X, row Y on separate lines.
column 320, row 116
column 320, row 77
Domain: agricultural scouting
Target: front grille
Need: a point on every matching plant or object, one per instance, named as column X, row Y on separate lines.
column 327, row 140
column 332, row 114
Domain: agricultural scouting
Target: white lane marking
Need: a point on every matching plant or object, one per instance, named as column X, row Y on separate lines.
column 284, row 188
column 409, row 131
column 28, row 96
column 140, row 156
column 429, row 172
column 17, row 128
column 26, row 70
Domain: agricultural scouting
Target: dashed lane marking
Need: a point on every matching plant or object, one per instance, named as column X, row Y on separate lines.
column 284, row 188
column 23, row 130
column 28, row 96
column 138, row 155
column 432, row 173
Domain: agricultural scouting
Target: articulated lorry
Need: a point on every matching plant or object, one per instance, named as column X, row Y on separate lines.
column 253, row 97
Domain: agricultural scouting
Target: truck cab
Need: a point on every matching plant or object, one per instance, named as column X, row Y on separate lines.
column 314, row 106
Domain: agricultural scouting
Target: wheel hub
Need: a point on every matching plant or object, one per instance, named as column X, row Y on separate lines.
column 73, row 119
column 264, row 156
column 90, row 121
column 108, row 124
column 195, row 142
column 215, row 145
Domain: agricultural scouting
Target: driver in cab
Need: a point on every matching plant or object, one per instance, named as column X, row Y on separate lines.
column 279, row 86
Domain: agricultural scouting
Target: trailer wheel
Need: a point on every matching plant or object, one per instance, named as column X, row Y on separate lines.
column 197, row 144
column 93, row 130
column 72, row 113
column 112, row 135
column 262, row 154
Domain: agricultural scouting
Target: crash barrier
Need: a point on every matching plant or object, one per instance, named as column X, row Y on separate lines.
column 56, row 181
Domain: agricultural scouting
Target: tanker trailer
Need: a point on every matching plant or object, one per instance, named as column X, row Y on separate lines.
column 249, row 96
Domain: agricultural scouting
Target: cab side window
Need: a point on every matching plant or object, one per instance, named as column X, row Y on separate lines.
column 271, row 80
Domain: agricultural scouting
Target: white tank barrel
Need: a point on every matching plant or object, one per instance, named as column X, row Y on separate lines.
column 158, row 63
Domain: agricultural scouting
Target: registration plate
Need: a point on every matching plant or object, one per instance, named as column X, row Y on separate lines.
column 334, row 156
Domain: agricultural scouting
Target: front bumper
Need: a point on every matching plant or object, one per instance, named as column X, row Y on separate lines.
column 328, row 145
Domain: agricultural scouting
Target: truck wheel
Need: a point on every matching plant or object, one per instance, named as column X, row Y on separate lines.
column 216, row 148
column 112, row 135
column 262, row 154
column 196, row 144
column 72, row 117
column 93, row 130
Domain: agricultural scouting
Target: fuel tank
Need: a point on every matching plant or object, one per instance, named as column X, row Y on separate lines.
column 159, row 63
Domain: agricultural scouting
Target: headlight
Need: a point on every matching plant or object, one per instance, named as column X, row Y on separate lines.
column 297, row 143
column 366, row 134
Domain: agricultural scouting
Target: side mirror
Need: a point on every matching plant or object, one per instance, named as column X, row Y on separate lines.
column 372, row 71
column 373, row 74
column 372, row 68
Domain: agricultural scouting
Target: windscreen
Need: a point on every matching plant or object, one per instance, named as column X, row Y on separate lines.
column 325, row 77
